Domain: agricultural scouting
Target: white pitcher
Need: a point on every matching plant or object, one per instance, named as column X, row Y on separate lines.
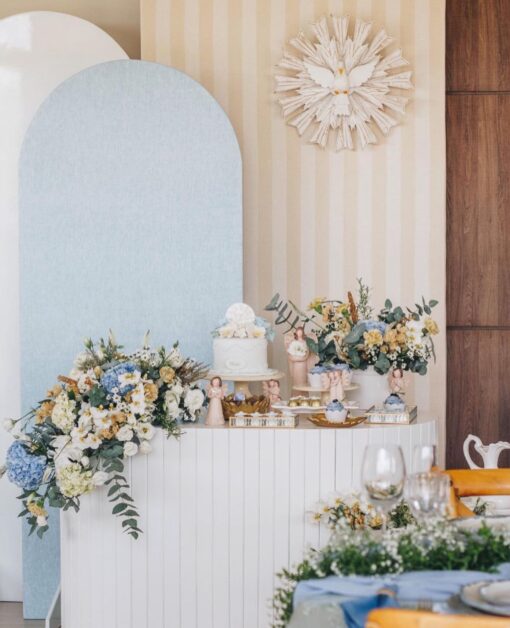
column 488, row 453
column 496, row 504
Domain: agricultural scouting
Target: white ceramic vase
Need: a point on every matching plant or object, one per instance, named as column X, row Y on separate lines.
column 373, row 388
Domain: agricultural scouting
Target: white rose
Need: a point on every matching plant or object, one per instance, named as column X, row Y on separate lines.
column 175, row 358
column 171, row 405
column 125, row 433
column 99, row 478
column 8, row 425
column 145, row 447
column 145, row 430
column 41, row 521
column 130, row 449
column 176, row 390
column 194, row 400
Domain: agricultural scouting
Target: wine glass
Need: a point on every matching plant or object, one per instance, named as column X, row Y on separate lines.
column 424, row 458
column 428, row 494
column 383, row 474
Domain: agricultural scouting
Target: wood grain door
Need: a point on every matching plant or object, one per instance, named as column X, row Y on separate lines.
column 478, row 223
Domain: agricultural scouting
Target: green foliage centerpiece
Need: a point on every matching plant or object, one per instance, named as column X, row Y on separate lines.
column 105, row 411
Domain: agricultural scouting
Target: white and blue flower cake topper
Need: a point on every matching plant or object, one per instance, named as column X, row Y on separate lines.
column 342, row 83
column 240, row 321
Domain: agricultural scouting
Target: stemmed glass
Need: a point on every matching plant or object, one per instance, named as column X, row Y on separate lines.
column 424, row 458
column 383, row 475
column 428, row 495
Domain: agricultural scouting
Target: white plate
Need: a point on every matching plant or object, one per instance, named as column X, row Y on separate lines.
column 283, row 407
column 497, row 593
column 470, row 595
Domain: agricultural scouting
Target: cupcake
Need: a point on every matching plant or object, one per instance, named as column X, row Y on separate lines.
column 314, row 376
column 394, row 403
column 335, row 412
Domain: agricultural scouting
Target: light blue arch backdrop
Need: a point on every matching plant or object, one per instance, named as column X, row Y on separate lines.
column 131, row 218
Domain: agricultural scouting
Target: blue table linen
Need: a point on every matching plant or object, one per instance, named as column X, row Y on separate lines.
column 361, row 594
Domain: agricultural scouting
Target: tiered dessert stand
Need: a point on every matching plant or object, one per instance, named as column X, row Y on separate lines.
column 242, row 381
column 323, row 392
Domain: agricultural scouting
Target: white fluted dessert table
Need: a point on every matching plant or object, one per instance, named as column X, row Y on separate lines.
column 222, row 509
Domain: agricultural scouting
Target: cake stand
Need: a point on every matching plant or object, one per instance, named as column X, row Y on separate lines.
column 242, row 381
column 323, row 392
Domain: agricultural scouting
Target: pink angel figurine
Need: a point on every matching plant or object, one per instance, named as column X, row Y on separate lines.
column 272, row 391
column 336, row 386
column 297, row 354
column 397, row 382
column 332, row 381
column 216, row 391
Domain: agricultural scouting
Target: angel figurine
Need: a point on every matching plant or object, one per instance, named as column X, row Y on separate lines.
column 272, row 391
column 298, row 355
column 216, row 391
column 397, row 382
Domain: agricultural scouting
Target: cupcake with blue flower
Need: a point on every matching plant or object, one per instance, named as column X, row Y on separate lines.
column 336, row 412
column 394, row 403
column 314, row 375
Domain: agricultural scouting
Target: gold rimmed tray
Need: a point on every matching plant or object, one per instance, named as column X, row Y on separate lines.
column 320, row 420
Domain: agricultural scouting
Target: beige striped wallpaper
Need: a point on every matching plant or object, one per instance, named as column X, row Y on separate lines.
column 315, row 220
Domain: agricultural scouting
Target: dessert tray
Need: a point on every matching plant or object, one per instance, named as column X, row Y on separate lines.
column 269, row 419
column 309, row 409
column 350, row 421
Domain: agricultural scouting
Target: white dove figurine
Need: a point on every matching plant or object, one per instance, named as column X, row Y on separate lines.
column 340, row 83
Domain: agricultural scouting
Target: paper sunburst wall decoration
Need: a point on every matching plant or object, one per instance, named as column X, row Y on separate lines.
column 342, row 83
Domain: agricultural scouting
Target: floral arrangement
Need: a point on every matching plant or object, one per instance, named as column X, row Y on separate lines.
column 442, row 546
column 106, row 410
column 240, row 322
column 354, row 512
column 346, row 331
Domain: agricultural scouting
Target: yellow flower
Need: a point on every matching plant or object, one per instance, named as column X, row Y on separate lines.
column 167, row 374
column 373, row 338
column 391, row 339
column 316, row 302
column 36, row 510
column 117, row 417
column 151, row 391
column 44, row 411
column 431, row 326
column 55, row 391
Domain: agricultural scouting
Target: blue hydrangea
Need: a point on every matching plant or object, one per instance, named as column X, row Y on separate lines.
column 370, row 325
column 24, row 468
column 110, row 380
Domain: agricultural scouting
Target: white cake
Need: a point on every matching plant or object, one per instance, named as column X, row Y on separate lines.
column 243, row 356
column 240, row 342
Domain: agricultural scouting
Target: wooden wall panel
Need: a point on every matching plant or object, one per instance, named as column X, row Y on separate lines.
column 478, row 390
column 478, row 222
column 478, row 45
column 478, row 216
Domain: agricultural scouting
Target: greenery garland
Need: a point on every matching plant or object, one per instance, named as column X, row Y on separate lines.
column 436, row 546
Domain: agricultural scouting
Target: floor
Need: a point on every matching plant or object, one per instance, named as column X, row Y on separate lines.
column 11, row 616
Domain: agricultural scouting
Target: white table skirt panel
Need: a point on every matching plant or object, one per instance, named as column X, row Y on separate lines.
column 222, row 511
